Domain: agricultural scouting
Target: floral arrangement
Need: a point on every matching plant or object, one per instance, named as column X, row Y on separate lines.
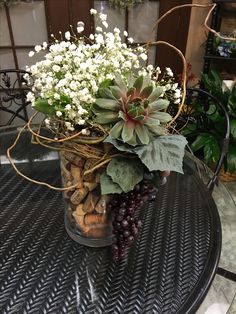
column 99, row 91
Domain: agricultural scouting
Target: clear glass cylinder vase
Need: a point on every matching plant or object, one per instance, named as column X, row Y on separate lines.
column 87, row 218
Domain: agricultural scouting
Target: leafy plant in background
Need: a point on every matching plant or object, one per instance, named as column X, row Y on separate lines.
column 208, row 141
column 123, row 4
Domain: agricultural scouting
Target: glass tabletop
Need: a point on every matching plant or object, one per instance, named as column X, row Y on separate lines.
column 223, row 289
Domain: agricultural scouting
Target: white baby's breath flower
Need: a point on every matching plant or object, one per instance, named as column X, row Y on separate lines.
column 130, row 40
column 58, row 59
column 103, row 17
column 56, row 68
column 125, row 34
column 56, row 96
column 30, row 97
column 37, row 48
column 143, row 56
column 45, row 44
column 169, row 72
column 174, row 86
column 31, row 53
column 59, row 113
column 67, row 35
column 91, row 36
column 177, row 93
column 93, row 12
column 158, row 70
column 68, row 107
column 47, row 122
column 116, row 30
column 98, row 29
column 177, row 101
column 85, row 132
column 81, row 122
column 69, row 126
column 80, row 27
column 105, row 24
column 99, row 39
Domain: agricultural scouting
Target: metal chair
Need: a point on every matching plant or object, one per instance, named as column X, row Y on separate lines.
column 198, row 111
column 13, row 90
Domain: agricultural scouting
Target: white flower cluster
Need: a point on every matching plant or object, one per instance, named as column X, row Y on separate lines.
column 171, row 89
column 70, row 75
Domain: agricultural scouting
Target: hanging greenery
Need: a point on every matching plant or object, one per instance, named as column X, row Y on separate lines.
column 7, row 2
column 123, row 4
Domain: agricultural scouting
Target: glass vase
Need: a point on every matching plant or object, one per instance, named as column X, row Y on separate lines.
column 87, row 218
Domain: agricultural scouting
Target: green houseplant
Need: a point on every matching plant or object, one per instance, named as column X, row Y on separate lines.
column 207, row 143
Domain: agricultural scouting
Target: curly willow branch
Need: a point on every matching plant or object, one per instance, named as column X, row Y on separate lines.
column 192, row 5
column 24, row 176
column 184, row 75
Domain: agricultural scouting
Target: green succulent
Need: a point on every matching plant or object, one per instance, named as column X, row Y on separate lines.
column 133, row 111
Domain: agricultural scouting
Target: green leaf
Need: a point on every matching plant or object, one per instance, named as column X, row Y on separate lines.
column 163, row 153
column 190, row 128
column 138, row 84
column 231, row 159
column 142, row 133
column 210, row 147
column 123, row 147
column 109, row 104
column 117, row 92
column 154, row 127
column 125, row 172
column 115, row 132
column 233, row 128
column 163, row 117
column 128, row 130
column 200, row 141
column 108, row 186
column 120, row 83
column 158, row 105
column 105, row 83
column 146, row 92
column 211, row 151
column 65, row 99
column 156, row 93
column 43, row 106
column 105, row 117
column 105, row 92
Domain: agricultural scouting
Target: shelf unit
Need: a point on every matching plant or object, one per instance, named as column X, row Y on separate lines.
column 216, row 21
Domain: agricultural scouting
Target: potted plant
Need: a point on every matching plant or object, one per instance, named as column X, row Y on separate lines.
column 207, row 142
column 107, row 113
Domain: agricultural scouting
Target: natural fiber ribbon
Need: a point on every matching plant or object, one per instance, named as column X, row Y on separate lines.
column 106, row 158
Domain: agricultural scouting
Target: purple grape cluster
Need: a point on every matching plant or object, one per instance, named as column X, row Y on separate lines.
column 125, row 223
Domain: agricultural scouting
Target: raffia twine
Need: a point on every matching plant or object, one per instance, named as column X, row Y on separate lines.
column 80, row 145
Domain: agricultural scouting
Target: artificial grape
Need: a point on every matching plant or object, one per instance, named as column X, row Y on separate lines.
column 130, row 239
column 130, row 210
column 124, row 223
column 139, row 223
column 137, row 187
column 126, row 233
column 119, row 218
column 122, row 211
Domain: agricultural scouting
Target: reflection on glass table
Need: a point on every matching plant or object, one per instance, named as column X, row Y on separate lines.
column 168, row 269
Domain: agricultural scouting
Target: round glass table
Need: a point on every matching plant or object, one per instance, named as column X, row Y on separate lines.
column 168, row 269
